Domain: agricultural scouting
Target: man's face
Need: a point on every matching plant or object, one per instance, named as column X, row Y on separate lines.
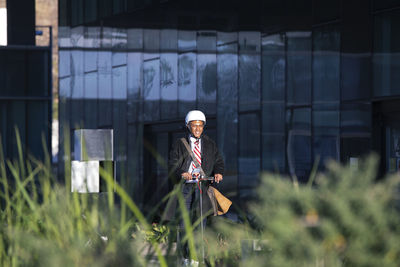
column 196, row 128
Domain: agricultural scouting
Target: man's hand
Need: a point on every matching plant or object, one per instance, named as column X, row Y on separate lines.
column 218, row 177
column 187, row 176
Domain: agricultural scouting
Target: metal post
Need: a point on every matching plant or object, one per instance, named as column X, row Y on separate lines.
column 201, row 223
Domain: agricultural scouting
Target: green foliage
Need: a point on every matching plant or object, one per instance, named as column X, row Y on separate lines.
column 346, row 218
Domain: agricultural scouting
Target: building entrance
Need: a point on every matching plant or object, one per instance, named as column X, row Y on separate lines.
column 386, row 120
column 157, row 142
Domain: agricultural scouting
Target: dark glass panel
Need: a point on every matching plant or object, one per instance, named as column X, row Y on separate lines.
column 64, row 13
column 76, row 12
column 273, row 117
column 3, row 127
column 151, row 90
column 298, row 67
column 227, row 109
column 119, row 97
column 105, row 89
column 326, row 121
column 187, row 70
column 273, row 68
column 119, row 6
column 77, row 88
column 119, row 41
column 326, row 65
column 38, row 71
column 326, row 10
column 15, row 74
column 386, row 67
column 90, row 96
column 383, row 4
column 105, row 8
column 249, row 153
column 16, row 119
column 273, row 152
column 38, row 128
column 273, row 136
column 299, row 143
column 249, row 71
column 355, row 76
column 133, row 161
column 90, row 10
column 207, row 82
column 355, row 119
column 134, row 84
column 169, row 74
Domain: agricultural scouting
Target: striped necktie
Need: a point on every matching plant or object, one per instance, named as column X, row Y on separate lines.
column 197, row 154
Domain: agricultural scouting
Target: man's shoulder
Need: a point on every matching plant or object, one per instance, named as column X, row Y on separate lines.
column 207, row 139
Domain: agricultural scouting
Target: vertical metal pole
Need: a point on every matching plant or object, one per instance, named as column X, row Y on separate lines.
column 201, row 224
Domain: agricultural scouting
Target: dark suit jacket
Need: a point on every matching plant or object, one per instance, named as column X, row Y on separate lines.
column 179, row 162
column 179, row 158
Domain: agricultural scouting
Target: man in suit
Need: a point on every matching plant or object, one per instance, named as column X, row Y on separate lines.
column 184, row 168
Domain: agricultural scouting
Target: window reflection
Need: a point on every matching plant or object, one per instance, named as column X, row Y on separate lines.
column 249, row 154
column 299, row 143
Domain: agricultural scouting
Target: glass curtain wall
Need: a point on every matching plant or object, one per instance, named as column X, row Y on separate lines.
column 281, row 101
column 25, row 100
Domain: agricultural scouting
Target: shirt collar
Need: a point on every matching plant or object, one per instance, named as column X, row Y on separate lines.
column 193, row 139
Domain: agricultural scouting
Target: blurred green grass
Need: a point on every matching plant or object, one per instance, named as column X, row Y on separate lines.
column 345, row 217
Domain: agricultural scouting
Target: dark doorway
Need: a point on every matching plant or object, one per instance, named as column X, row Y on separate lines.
column 386, row 135
column 157, row 141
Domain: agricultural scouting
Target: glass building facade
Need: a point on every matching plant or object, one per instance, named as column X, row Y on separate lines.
column 25, row 85
column 284, row 84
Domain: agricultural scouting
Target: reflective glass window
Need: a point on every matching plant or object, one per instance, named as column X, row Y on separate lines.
column 119, row 41
column 77, row 74
column 90, row 10
column 38, row 74
column 355, row 119
column 64, row 67
column 187, row 70
column 207, row 71
column 37, row 127
column 76, row 12
column 327, row 10
column 16, row 118
column 249, row 71
column 299, row 143
column 119, row 6
column 169, row 74
column 355, row 129
column 298, row 67
column 107, row 37
column 105, row 88
column 105, row 8
column 326, row 65
column 133, row 162
column 384, row 4
column 386, row 70
column 120, row 118
column 151, row 89
column 326, row 121
column 273, row 67
column 355, row 76
column 249, row 153
column 227, row 110
column 134, row 84
column 12, row 82
column 90, row 95
column 135, row 38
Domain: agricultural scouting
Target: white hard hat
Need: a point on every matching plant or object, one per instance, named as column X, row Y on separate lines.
column 195, row 115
